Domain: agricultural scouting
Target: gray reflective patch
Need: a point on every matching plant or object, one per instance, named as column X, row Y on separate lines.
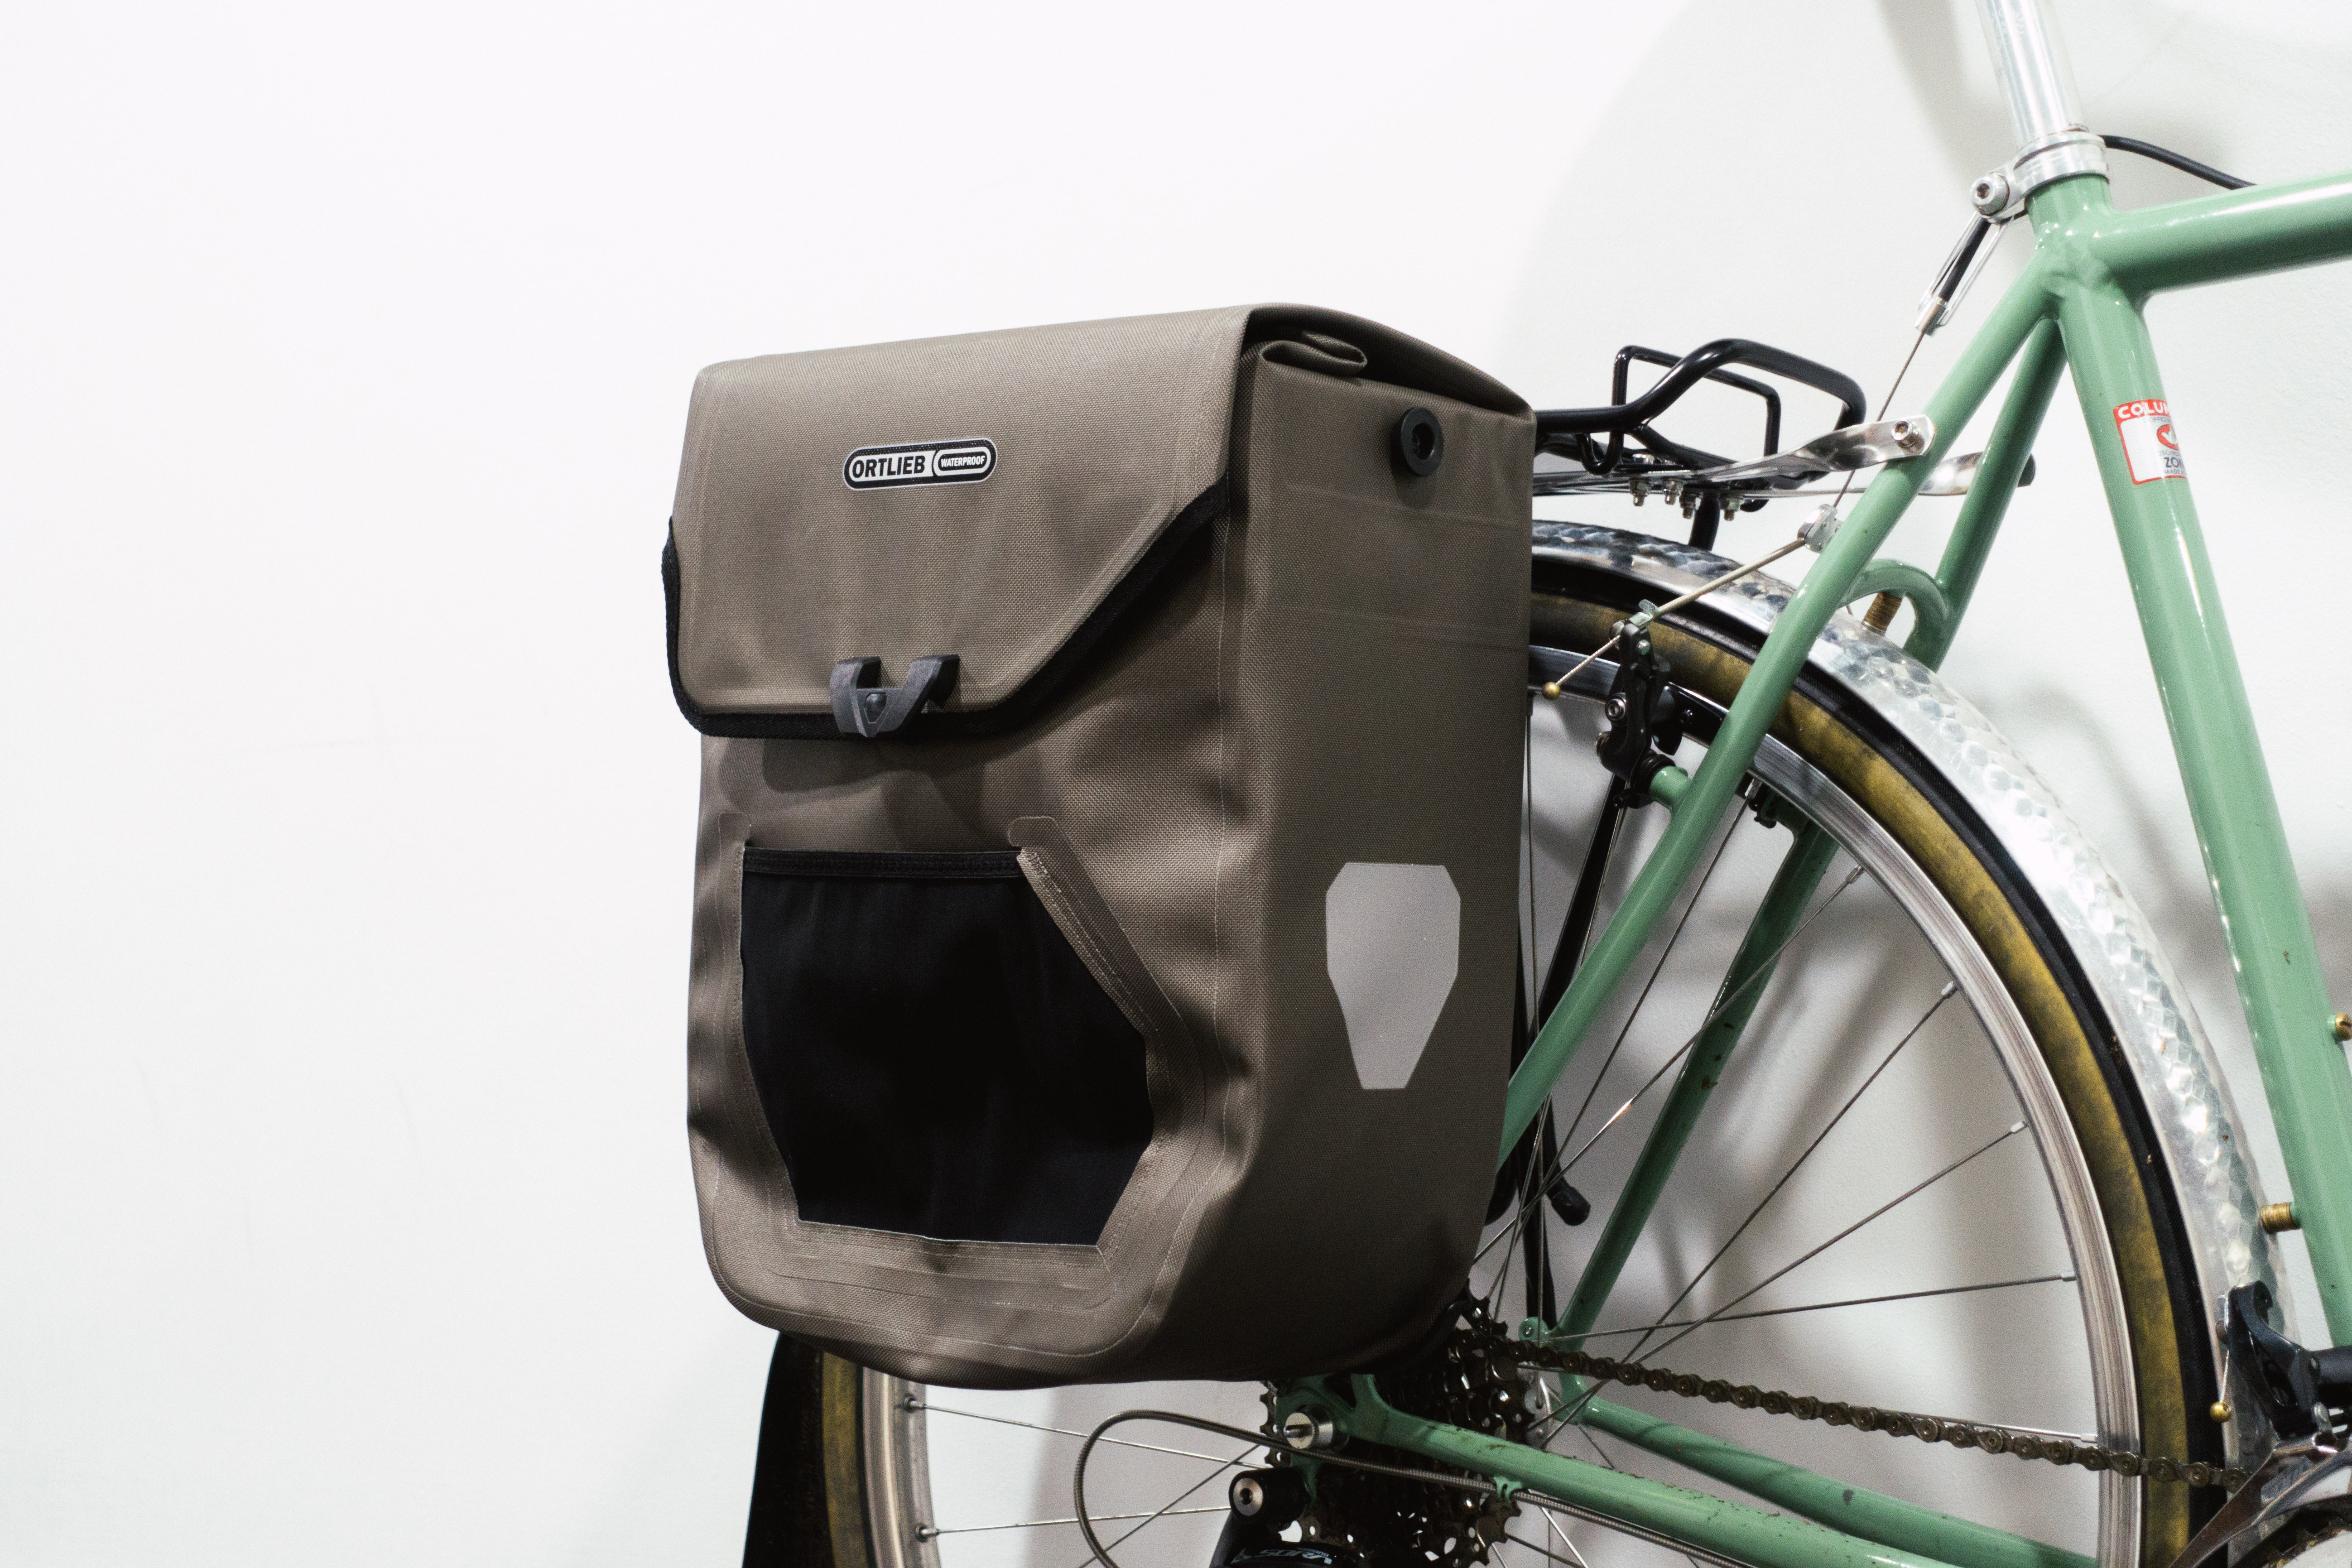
column 1392, row 944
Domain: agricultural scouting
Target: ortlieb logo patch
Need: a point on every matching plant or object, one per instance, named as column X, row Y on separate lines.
column 919, row 463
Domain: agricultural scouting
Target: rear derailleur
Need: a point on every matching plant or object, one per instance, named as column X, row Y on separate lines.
column 1463, row 1374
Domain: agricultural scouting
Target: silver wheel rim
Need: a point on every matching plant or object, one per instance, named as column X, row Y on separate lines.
column 897, row 1434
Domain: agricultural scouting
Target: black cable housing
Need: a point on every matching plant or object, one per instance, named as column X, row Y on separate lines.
column 2187, row 165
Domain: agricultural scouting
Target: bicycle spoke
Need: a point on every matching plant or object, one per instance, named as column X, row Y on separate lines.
column 1549, row 1505
column 1557, row 1167
column 1945, row 995
column 1568, row 953
column 1634, row 1099
column 1824, row 1306
column 1883, row 1209
column 1575, row 936
column 1532, row 1546
column 1170, row 1507
column 1536, row 1240
column 1655, row 970
column 1519, row 1215
column 1066, row 1432
column 1589, row 1436
column 1767, row 967
column 1562, row 1537
column 1047, row 1523
column 1526, row 1224
column 1569, row 1416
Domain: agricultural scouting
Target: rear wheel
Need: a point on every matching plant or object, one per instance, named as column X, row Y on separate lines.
column 1922, row 1180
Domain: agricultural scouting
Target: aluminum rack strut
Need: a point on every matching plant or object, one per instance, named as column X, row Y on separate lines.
column 1840, row 451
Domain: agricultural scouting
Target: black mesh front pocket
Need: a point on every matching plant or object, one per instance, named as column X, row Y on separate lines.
column 933, row 1055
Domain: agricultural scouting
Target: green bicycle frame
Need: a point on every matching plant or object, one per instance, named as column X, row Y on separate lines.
column 2077, row 305
column 2092, row 271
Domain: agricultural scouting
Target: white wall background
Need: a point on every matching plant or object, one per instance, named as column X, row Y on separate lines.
column 344, row 1209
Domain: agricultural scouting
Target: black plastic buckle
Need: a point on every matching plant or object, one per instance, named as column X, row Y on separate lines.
column 862, row 706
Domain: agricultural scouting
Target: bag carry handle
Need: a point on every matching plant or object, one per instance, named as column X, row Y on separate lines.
column 863, row 706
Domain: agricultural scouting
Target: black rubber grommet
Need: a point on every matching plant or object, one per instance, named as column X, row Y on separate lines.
column 1420, row 442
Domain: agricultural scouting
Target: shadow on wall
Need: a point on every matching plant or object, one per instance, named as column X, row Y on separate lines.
column 1693, row 214
column 1934, row 44
column 1830, row 171
column 1799, row 185
column 2119, row 53
column 2169, row 880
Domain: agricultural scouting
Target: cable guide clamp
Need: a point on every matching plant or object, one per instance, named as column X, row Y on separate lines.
column 2002, row 194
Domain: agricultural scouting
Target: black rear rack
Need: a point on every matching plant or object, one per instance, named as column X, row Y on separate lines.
column 1573, row 433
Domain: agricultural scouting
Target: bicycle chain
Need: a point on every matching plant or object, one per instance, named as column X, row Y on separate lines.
column 1870, row 1418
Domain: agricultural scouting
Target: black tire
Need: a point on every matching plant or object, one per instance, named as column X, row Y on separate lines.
column 808, row 1494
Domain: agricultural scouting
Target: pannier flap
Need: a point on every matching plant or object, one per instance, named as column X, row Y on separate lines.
column 925, row 537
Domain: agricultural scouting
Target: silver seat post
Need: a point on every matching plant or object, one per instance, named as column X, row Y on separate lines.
column 2030, row 59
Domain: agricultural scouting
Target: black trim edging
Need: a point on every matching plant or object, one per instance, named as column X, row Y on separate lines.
column 891, row 865
column 1018, row 706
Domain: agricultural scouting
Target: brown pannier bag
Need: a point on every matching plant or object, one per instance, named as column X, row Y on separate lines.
column 1104, row 931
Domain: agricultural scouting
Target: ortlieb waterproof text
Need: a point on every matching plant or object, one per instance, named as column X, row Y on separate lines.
column 1104, row 941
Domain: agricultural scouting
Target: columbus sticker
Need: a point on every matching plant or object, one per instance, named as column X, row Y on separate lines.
column 2149, row 445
